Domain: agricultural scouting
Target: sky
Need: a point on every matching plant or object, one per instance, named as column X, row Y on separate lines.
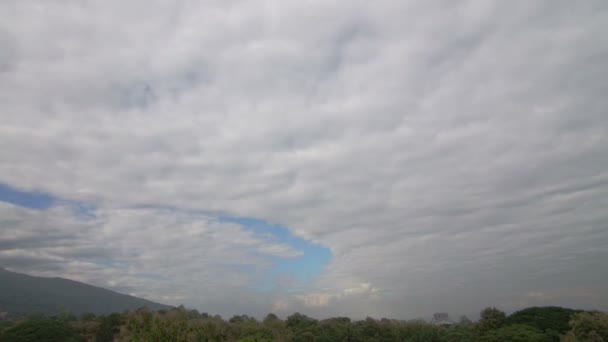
column 351, row 158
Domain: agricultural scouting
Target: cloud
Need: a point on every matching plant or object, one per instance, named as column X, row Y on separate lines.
column 324, row 299
column 155, row 253
column 451, row 155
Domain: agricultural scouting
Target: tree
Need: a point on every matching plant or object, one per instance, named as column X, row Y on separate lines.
column 5, row 325
column 65, row 316
column 87, row 317
column 277, row 328
column 417, row 331
column 303, row 327
column 335, row 329
column 108, row 327
column 271, row 318
column 589, row 326
column 298, row 320
column 552, row 320
column 458, row 334
column 491, row 318
column 237, row 319
column 44, row 330
column 515, row 333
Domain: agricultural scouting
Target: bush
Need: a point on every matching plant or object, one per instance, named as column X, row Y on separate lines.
column 515, row 333
column 40, row 330
column 590, row 326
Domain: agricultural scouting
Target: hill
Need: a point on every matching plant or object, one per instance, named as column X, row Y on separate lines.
column 21, row 294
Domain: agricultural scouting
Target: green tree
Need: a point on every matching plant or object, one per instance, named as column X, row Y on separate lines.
column 589, row 326
column 373, row 330
column 417, row 331
column 335, row 329
column 87, row 317
column 303, row 327
column 299, row 321
column 270, row 318
column 515, row 333
column 108, row 327
column 458, row 333
column 65, row 316
column 5, row 325
column 43, row 330
column 277, row 328
column 552, row 320
column 491, row 318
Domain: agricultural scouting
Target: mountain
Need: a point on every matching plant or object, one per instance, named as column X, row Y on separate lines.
column 21, row 294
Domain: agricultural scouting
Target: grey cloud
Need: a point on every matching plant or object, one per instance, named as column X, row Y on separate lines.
column 152, row 252
column 447, row 148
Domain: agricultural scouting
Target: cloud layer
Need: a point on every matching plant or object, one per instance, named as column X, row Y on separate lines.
column 450, row 156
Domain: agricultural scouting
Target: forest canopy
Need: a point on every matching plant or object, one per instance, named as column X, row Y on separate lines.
column 541, row 324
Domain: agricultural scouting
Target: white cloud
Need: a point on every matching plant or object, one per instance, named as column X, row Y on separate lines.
column 156, row 253
column 453, row 149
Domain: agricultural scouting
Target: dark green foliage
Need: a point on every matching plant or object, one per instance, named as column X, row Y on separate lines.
column 373, row 330
column 108, row 327
column 458, row 334
column 515, row 333
column 241, row 319
column 418, row 331
column 271, row 318
column 276, row 328
column 335, row 329
column 5, row 325
column 298, row 321
column 551, row 320
column 65, row 317
column 21, row 294
column 87, row 317
column 303, row 327
column 589, row 326
column 180, row 324
column 491, row 319
column 40, row 330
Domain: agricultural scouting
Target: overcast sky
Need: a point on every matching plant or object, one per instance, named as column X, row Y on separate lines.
column 382, row 158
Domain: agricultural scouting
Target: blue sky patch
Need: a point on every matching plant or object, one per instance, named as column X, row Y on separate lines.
column 42, row 201
column 296, row 271
column 28, row 199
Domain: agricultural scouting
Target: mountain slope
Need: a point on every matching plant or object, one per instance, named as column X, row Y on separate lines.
column 22, row 294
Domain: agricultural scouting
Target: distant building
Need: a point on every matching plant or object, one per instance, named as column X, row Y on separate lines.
column 442, row 318
column 3, row 315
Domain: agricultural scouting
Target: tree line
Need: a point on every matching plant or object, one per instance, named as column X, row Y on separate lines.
column 542, row 324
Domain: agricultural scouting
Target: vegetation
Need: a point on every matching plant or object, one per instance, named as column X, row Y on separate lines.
column 588, row 326
column 41, row 330
column 537, row 324
column 551, row 321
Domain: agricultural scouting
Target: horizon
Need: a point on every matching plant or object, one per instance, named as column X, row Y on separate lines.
column 451, row 317
column 283, row 315
column 333, row 159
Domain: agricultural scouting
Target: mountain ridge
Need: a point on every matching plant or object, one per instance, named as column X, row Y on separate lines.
column 22, row 294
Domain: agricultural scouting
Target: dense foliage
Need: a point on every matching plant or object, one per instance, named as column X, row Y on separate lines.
column 552, row 321
column 588, row 326
column 44, row 330
column 538, row 324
